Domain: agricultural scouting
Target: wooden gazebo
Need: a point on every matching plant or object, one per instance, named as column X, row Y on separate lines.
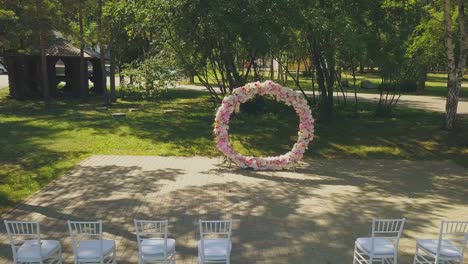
column 24, row 72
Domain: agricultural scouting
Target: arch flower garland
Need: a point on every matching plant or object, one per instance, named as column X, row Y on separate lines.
column 241, row 95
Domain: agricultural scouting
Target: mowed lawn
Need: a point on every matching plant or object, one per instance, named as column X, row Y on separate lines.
column 39, row 144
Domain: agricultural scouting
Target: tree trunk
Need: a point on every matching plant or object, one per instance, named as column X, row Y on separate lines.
column 121, row 76
column 297, row 69
column 272, row 69
column 42, row 47
column 101, row 54
column 328, row 69
column 280, row 70
column 82, row 61
column 312, row 78
column 421, row 82
column 463, row 52
column 455, row 66
column 325, row 109
column 113, row 96
column 263, row 68
column 286, row 72
column 355, row 88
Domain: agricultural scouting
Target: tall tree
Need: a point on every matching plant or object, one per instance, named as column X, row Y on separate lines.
column 42, row 47
column 426, row 47
column 82, row 44
column 102, row 52
column 456, row 59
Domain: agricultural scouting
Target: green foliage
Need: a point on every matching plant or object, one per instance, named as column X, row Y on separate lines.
column 20, row 32
column 215, row 40
column 427, row 40
column 72, row 9
column 407, row 86
column 8, row 19
column 147, row 78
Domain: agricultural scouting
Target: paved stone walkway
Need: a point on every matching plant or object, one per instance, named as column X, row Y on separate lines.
column 310, row 215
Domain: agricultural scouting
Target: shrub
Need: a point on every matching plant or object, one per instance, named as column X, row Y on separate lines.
column 408, row 86
column 146, row 78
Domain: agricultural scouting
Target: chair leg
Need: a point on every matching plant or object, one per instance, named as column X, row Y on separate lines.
column 114, row 261
column 415, row 255
column 354, row 255
column 60, row 260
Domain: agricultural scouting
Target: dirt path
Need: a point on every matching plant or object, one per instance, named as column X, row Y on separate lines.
column 430, row 103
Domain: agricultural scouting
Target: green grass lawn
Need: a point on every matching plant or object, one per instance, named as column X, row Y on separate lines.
column 40, row 144
column 436, row 84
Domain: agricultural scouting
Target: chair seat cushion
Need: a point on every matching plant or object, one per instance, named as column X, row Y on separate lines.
column 154, row 248
column 89, row 249
column 29, row 249
column 448, row 249
column 382, row 246
column 215, row 249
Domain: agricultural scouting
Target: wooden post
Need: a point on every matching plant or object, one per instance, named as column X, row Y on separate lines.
column 52, row 75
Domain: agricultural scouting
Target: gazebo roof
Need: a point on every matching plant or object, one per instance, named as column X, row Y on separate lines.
column 61, row 47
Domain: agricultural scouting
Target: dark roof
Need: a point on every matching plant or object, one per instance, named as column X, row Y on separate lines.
column 61, row 47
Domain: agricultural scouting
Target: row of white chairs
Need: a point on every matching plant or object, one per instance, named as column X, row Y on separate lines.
column 382, row 245
column 215, row 243
column 89, row 246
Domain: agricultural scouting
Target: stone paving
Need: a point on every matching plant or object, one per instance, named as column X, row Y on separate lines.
column 310, row 215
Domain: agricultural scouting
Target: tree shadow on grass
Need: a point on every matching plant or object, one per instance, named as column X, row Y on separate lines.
column 187, row 129
column 408, row 134
column 26, row 162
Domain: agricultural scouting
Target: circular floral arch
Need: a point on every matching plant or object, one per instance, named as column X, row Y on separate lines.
column 243, row 94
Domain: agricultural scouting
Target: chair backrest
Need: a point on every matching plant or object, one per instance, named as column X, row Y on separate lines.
column 20, row 231
column 154, row 230
column 387, row 228
column 215, row 230
column 85, row 230
column 456, row 232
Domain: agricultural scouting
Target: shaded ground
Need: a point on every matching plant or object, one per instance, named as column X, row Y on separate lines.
column 310, row 215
